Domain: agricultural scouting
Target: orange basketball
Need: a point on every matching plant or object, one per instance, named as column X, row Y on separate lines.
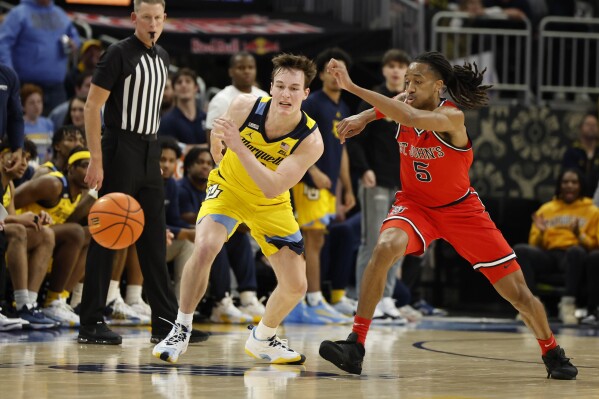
column 116, row 220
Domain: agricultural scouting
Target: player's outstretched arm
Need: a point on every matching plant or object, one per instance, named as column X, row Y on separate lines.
column 449, row 120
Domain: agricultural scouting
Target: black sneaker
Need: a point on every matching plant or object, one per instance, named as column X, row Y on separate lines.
column 558, row 365
column 196, row 336
column 98, row 334
column 347, row 355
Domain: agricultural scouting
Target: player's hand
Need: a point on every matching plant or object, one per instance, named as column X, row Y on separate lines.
column 95, row 174
column 539, row 221
column 169, row 237
column 351, row 126
column 217, row 148
column 575, row 227
column 320, row 179
column 403, row 96
column 349, row 200
column 30, row 219
column 227, row 131
column 14, row 161
column 45, row 218
column 339, row 71
column 369, row 179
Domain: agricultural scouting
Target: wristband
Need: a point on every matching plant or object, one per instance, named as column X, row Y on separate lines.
column 379, row 114
column 93, row 193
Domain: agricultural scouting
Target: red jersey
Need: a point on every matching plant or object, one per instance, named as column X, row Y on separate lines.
column 433, row 172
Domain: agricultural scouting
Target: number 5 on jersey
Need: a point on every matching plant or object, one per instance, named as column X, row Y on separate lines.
column 421, row 173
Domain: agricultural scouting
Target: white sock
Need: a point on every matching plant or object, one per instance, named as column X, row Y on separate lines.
column 76, row 295
column 21, row 298
column 32, row 296
column 113, row 291
column 185, row 319
column 263, row 332
column 246, row 297
column 314, row 298
column 133, row 294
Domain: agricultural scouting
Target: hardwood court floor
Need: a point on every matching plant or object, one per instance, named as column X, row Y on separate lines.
column 440, row 359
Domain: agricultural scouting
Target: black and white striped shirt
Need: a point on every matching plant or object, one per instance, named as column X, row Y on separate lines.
column 135, row 77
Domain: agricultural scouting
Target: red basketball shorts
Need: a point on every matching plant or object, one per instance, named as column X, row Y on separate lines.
column 466, row 226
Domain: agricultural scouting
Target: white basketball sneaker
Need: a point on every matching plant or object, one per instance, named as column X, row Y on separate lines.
column 174, row 345
column 254, row 308
column 226, row 312
column 273, row 349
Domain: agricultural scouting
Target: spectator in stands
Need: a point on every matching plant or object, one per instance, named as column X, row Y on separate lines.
column 461, row 45
column 38, row 128
column 242, row 71
column 168, row 97
column 182, row 244
column 563, row 230
column 374, row 158
column 584, row 153
column 89, row 55
column 36, row 40
column 476, row 9
column 314, row 197
column 74, row 114
column 82, row 84
column 30, row 245
column 192, row 187
column 186, row 121
column 236, row 254
column 514, row 9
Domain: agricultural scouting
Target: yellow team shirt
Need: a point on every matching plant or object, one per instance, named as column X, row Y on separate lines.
column 50, row 165
column 65, row 207
column 7, row 197
column 559, row 217
column 270, row 153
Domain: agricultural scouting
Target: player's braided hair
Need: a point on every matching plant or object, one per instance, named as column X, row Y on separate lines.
column 463, row 82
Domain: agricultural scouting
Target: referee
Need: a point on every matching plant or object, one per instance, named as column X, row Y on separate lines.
column 129, row 82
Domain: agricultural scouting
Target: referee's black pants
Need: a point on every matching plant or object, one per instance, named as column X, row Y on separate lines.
column 131, row 166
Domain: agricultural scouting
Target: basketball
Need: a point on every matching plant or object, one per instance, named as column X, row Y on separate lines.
column 116, row 220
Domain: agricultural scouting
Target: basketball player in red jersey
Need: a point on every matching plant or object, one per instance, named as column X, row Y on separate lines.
column 436, row 200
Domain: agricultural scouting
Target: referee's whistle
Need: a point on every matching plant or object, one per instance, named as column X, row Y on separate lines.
column 152, row 49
